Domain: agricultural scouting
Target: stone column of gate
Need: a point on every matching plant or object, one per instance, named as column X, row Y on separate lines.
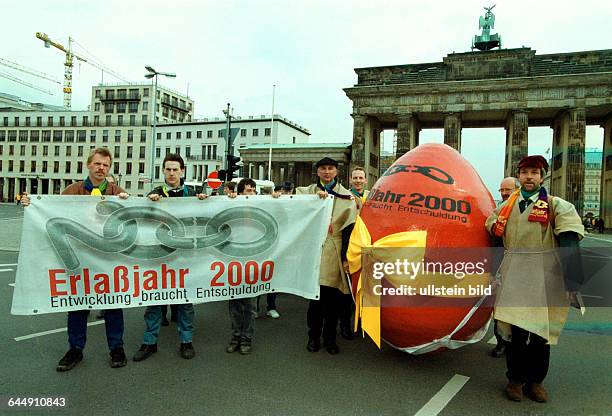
column 575, row 158
column 290, row 173
column 407, row 133
column 452, row 130
column 605, row 200
column 517, row 140
column 359, row 137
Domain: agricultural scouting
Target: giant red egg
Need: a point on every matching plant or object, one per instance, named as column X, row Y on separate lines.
column 442, row 194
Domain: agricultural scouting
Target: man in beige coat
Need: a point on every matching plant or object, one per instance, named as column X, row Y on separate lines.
column 322, row 315
column 532, row 300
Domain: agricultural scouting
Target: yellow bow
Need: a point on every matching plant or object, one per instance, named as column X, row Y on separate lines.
column 96, row 192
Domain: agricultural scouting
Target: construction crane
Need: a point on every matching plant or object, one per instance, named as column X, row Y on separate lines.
column 23, row 82
column 30, row 71
column 68, row 64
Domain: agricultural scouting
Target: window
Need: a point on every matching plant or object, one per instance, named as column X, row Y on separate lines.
column 92, row 136
column 168, row 136
column 27, row 121
column 188, row 135
column 55, row 167
column 116, row 167
column 69, row 136
column 44, row 167
column 214, row 149
column 209, row 134
column 105, row 136
column 80, row 151
column 117, row 152
column 21, row 166
column 143, row 136
column 33, row 166
column 178, row 135
column 12, row 135
column 45, row 151
column 142, row 152
column 144, row 120
column 128, row 184
column 221, row 133
column 22, row 150
column 56, row 150
column 46, row 137
column 133, row 107
column 57, row 136
column 73, row 121
column 167, row 151
column 23, row 135
column 120, row 120
column 33, row 151
column 141, row 167
column 267, row 132
column 242, row 132
column 11, row 150
column 97, row 107
column 128, row 168
column 97, row 93
column 5, row 121
column 79, row 167
column 108, row 120
column 122, row 94
column 38, row 121
column 10, row 169
column 68, row 151
column 145, row 106
column 117, row 135
column 156, row 172
column 187, row 151
column 158, row 136
column 129, row 152
column 145, row 92
column 130, row 136
column 50, row 121
column 121, row 108
column 134, row 94
column 85, row 121
column 255, row 132
column 177, row 150
column 2, row 135
column 96, row 120
column 199, row 134
column 67, row 170
column 109, row 107
column 62, row 121
column 132, row 120
column 81, row 135
column 140, row 185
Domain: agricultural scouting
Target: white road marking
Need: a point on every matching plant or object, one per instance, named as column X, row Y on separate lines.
column 592, row 296
column 8, row 264
column 492, row 340
column 12, row 284
column 52, row 331
column 439, row 401
column 6, row 270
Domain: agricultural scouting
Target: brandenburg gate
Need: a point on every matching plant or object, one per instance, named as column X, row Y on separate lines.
column 509, row 88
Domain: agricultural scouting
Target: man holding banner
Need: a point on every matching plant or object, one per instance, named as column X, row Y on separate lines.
column 98, row 164
column 173, row 169
column 322, row 315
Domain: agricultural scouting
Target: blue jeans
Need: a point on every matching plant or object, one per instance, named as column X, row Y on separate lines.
column 153, row 320
column 77, row 328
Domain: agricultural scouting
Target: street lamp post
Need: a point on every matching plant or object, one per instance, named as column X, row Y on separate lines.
column 152, row 73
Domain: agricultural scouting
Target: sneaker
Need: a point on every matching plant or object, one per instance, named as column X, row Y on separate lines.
column 118, row 358
column 187, row 351
column 144, row 352
column 245, row 347
column 273, row 313
column 70, row 359
column 233, row 345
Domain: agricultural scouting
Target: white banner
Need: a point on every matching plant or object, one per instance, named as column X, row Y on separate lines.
column 84, row 252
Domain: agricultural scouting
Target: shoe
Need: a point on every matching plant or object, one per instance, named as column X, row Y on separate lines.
column 332, row 348
column 313, row 345
column 233, row 345
column 70, row 359
column 144, row 352
column 245, row 348
column 165, row 321
column 537, row 393
column 345, row 331
column 498, row 351
column 118, row 358
column 514, row 391
column 187, row 351
column 272, row 313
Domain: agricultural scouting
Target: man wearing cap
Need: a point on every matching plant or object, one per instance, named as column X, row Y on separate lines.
column 322, row 315
column 532, row 300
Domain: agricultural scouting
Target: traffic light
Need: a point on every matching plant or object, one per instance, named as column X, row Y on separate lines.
column 222, row 175
column 232, row 166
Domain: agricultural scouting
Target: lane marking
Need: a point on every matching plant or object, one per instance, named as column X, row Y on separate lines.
column 6, row 270
column 53, row 331
column 439, row 401
column 12, row 284
column 492, row 340
column 592, row 296
column 8, row 264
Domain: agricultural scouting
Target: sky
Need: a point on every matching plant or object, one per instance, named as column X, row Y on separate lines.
column 235, row 51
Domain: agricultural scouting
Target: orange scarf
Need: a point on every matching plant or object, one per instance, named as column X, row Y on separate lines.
column 502, row 219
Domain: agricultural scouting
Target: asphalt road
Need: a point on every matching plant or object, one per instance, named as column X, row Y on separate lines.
column 280, row 377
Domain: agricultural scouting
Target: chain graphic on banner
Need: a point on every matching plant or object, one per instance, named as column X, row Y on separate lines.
column 120, row 231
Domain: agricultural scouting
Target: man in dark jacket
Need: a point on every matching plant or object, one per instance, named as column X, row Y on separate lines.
column 173, row 169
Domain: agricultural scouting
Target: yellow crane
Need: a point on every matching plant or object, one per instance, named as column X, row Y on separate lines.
column 68, row 64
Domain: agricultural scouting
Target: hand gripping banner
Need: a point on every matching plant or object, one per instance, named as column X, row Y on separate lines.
column 103, row 252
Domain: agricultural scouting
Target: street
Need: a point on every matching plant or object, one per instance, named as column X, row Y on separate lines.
column 280, row 377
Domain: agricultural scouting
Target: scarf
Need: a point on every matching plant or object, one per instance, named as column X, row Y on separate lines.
column 166, row 194
column 539, row 212
column 95, row 190
column 329, row 188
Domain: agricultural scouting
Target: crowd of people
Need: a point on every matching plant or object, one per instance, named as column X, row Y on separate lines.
column 527, row 218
